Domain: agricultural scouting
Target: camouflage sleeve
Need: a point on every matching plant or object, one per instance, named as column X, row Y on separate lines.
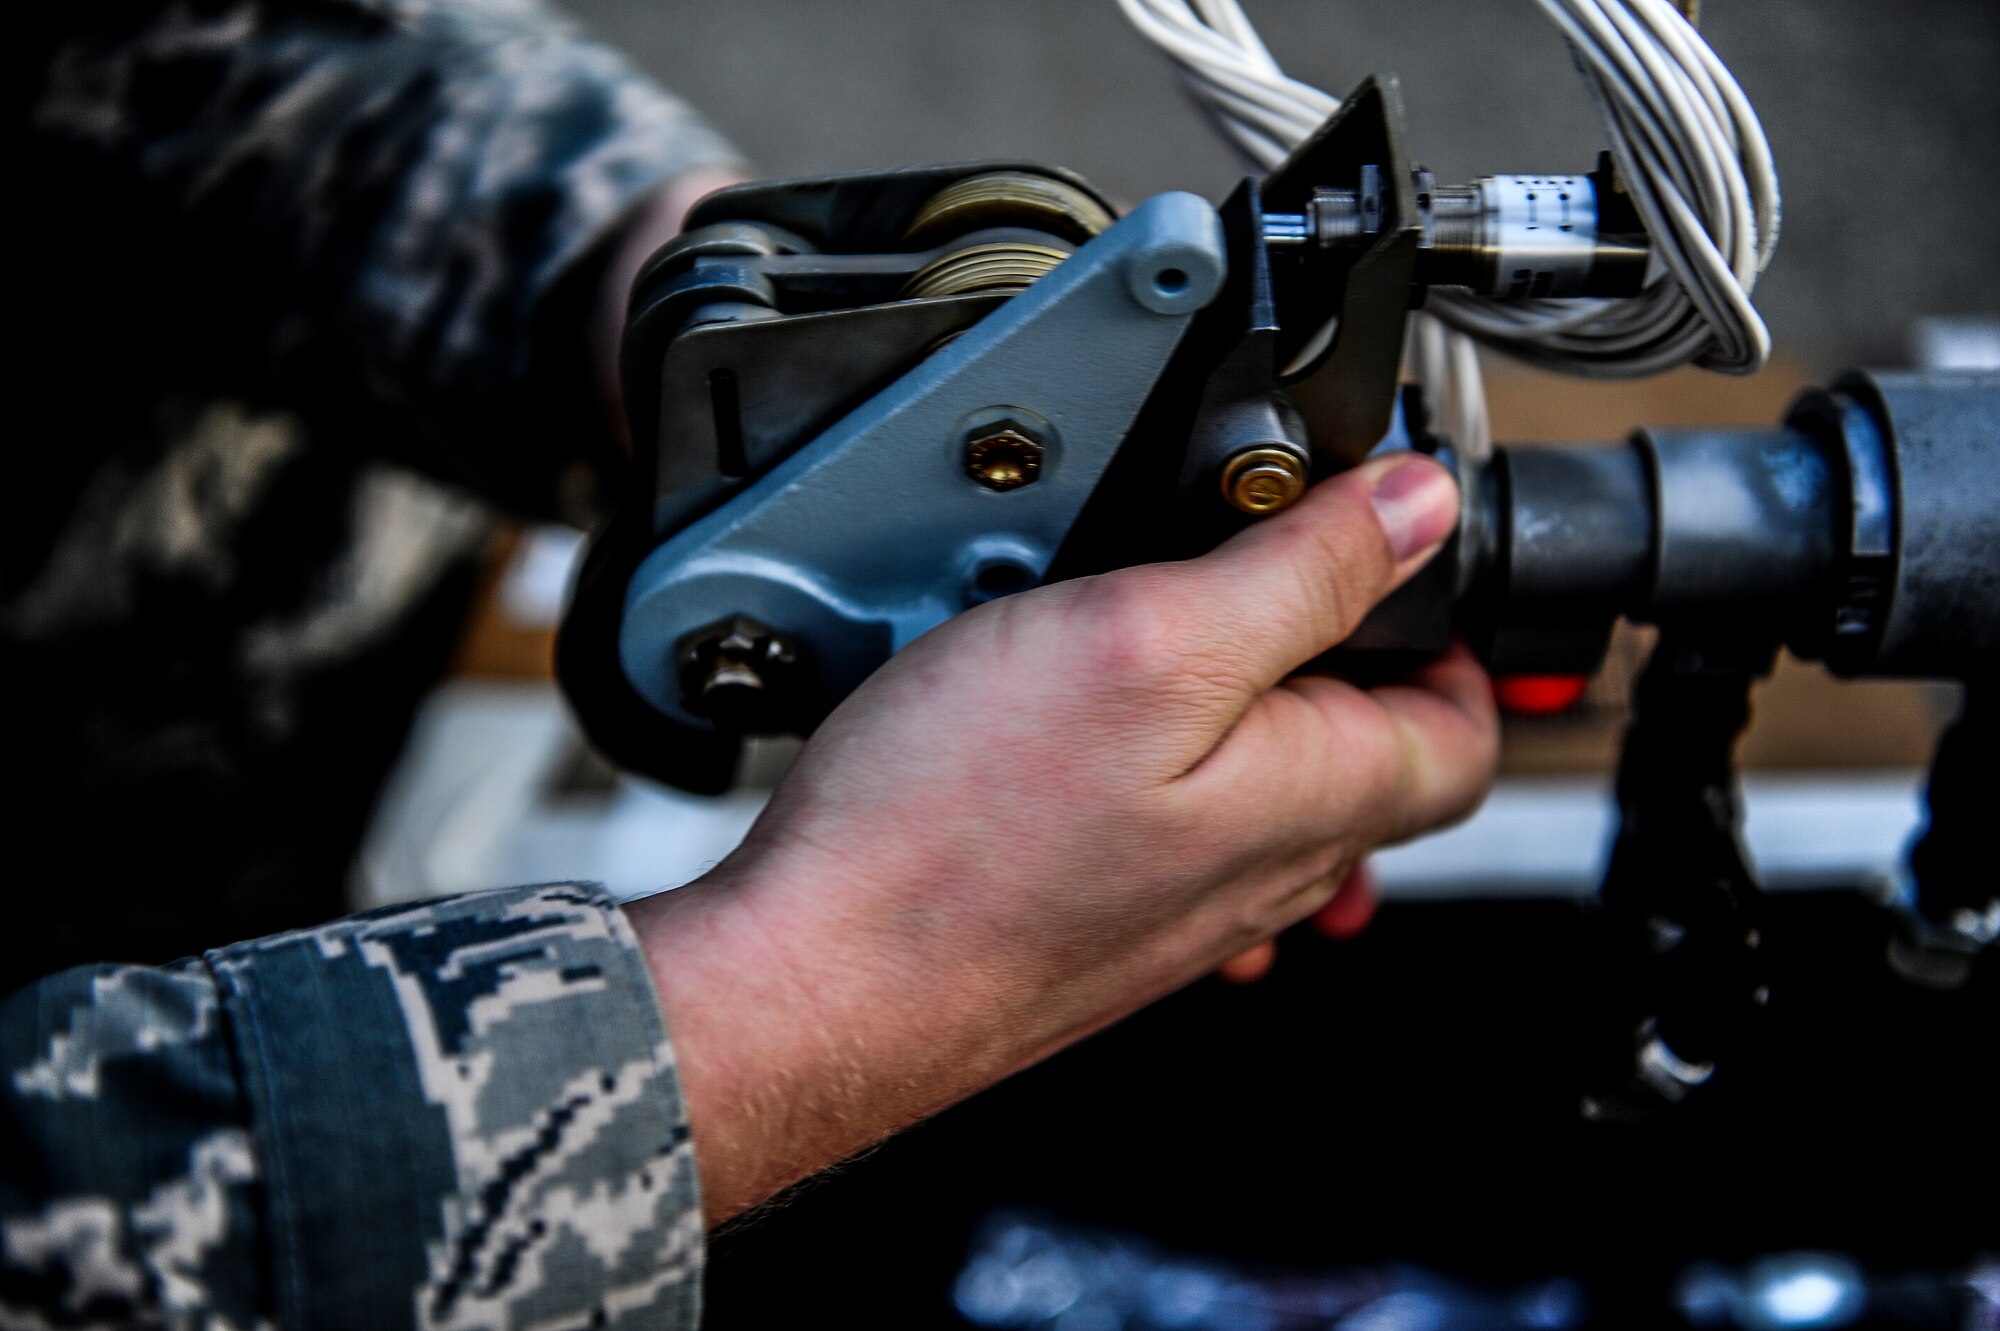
column 458, row 1114
column 394, row 205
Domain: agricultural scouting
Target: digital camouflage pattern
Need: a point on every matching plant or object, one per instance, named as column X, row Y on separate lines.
column 461, row 1115
column 302, row 293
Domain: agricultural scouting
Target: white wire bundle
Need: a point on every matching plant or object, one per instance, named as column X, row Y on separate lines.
column 1262, row 110
column 1688, row 146
column 1698, row 167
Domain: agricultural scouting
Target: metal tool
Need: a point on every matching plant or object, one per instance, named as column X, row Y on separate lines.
column 863, row 404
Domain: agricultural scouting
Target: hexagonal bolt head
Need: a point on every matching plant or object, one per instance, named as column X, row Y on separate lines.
column 739, row 673
column 1003, row 457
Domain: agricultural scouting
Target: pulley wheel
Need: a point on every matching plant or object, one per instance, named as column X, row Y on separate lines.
column 1005, row 265
column 1008, row 199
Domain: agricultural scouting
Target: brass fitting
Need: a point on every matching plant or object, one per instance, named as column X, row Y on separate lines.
column 1003, row 458
column 1263, row 480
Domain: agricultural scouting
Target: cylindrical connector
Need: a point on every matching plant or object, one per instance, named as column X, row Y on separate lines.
column 1333, row 217
column 1526, row 237
column 1940, row 594
column 1510, row 237
column 1731, row 533
column 1860, row 533
column 1572, row 534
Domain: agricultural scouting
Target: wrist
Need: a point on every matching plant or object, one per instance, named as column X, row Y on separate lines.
column 800, row 1039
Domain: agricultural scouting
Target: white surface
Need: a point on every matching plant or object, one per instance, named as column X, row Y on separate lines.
column 474, row 806
column 1957, row 343
column 535, row 585
column 1548, row 836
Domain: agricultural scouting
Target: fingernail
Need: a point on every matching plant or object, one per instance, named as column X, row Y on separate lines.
column 1418, row 505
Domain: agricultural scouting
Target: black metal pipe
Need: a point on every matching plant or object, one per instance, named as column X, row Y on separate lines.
column 1865, row 532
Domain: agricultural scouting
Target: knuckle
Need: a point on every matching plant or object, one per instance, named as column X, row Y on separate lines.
column 1475, row 774
column 1396, row 771
column 1129, row 630
column 1383, row 770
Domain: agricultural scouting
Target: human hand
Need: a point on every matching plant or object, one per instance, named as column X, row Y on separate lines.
column 1049, row 812
column 1345, row 914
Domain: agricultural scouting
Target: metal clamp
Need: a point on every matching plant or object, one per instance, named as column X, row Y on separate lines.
column 890, row 522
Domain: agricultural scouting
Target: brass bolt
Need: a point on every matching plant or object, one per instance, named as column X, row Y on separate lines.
column 1263, row 480
column 1003, row 458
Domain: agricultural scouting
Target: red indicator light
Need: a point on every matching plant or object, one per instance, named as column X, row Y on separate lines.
column 1539, row 695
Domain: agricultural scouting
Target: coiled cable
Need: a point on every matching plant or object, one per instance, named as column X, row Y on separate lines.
column 1687, row 144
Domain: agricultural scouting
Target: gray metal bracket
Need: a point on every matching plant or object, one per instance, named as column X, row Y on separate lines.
column 873, row 533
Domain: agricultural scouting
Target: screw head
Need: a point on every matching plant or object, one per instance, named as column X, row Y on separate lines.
column 1263, row 480
column 1004, row 458
column 739, row 673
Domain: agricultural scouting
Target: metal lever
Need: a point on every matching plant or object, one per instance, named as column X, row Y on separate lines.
column 956, row 482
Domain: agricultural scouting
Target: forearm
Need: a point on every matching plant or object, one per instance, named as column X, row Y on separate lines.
column 805, row 1032
column 392, row 219
column 797, row 1051
column 461, row 1112
column 805, row 1036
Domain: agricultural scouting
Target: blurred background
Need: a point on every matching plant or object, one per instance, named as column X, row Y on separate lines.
column 1384, row 1135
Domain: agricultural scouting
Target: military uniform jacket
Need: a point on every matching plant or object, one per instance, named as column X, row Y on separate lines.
column 457, row 1114
column 308, row 281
